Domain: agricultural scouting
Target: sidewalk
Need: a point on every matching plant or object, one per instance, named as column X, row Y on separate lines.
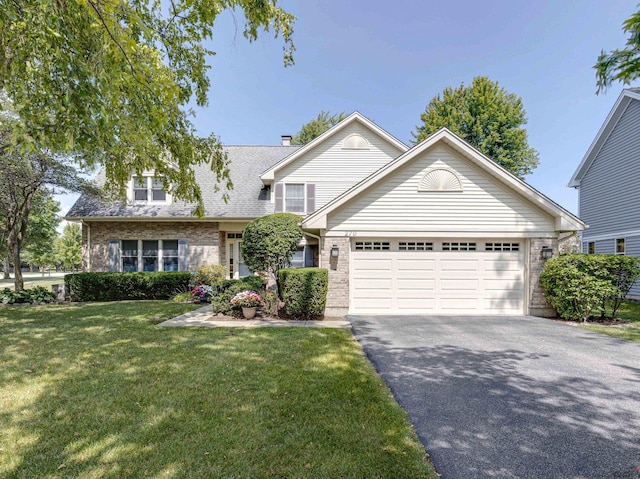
column 204, row 317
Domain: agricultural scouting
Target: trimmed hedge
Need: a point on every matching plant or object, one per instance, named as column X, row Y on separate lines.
column 304, row 291
column 124, row 286
column 576, row 284
column 225, row 290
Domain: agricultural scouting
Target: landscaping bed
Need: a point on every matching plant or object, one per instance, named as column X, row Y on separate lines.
column 96, row 390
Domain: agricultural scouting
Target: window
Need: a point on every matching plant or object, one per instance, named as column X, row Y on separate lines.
column 129, row 255
column 457, row 246
column 140, row 189
column 149, row 256
column 157, row 190
column 620, row 246
column 297, row 260
column 372, row 246
column 502, row 247
column 415, row 246
column 294, row 198
column 591, row 247
column 148, row 189
column 169, row 255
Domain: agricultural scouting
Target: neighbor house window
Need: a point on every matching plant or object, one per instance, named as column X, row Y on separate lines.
column 591, row 247
column 169, row 255
column 620, row 246
column 129, row 256
column 294, row 198
column 148, row 189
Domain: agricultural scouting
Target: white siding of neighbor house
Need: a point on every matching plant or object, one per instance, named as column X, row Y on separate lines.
column 485, row 204
column 609, row 191
column 334, row 170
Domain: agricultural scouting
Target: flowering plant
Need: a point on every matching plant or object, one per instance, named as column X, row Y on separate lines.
column 247, row 299
column 202, row 292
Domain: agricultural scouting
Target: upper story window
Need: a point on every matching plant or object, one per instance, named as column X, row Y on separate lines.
column 148, row 189
column 620, row 247
column 297, row 198
column 294, row 198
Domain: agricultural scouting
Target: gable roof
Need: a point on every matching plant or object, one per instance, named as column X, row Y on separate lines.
column 625, row 98
column 356, row 116
column 564, row 220
column 247, row 199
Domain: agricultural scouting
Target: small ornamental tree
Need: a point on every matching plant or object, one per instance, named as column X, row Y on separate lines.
column 269, row 243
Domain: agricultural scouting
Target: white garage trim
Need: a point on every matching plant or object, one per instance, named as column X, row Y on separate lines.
column 437, row 276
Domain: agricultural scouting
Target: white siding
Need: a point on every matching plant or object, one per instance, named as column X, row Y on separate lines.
column 334, row 170
column 396, row 205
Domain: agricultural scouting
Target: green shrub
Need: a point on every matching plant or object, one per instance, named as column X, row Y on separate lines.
column 576, row 284
column 210, row 274
column 304, row 291
column 182, row 298
column 225, row 290
column 124, row 286
column 38, row 294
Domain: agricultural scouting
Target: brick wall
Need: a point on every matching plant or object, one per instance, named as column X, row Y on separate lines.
column 202, row 237
column 338, row 295
column 538, row 305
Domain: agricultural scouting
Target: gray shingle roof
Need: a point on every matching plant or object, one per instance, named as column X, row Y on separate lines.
column 247, row 199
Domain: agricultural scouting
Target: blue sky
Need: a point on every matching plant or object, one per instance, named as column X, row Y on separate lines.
column 388, row 59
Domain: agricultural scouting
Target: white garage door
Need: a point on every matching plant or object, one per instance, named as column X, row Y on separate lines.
column 437, row 277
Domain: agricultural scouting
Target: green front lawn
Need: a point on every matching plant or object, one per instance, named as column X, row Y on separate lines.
column 629, row 311
column 96, row 390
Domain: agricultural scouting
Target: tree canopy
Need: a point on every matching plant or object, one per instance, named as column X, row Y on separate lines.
column 316, row 127
column 488, row 117
column 110, row 82
column 621, row 65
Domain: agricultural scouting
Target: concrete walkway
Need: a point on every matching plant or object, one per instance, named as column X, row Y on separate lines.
column 203, row 317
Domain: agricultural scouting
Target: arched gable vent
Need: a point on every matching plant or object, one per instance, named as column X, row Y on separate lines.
column 355, row 142
column 440, row 179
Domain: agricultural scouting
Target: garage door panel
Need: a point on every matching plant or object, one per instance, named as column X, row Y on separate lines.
column 459, row 284
column 419, row 284
column 437, row 282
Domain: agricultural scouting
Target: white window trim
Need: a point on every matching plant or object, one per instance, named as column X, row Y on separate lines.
column 141, row 256
column 148, row 178
column 615, row 245
column 304, row 195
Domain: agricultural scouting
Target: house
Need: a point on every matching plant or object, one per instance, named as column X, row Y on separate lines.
column 436, row 228
column 607, row 180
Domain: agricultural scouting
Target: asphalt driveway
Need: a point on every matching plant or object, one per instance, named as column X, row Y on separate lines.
column 512, row 397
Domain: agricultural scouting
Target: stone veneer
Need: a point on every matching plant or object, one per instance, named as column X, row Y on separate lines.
column 538, row 305
column 338, row 294
column 202, row 237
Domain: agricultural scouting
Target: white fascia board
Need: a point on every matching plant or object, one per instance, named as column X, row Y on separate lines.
column 444, row 234
column 269, row 175
column 605, row 130
column 556, row 211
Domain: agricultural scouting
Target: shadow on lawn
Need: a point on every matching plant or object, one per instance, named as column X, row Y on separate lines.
column 121, row 398
column 482, row 414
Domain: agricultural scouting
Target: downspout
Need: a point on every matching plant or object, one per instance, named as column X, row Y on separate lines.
column 88, row 244
column 319, row 245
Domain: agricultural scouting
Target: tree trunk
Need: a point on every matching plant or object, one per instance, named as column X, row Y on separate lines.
column 5, row 267
column 17, row 271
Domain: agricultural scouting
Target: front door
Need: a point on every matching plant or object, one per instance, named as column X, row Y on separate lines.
column 235, row 262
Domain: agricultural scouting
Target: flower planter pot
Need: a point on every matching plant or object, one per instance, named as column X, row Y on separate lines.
column 249, row 313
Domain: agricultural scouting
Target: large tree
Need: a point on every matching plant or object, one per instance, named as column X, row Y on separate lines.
column 110, row 82
column 621, row 65
column 316, row 127
column 23, row 178
column 488, row 117
column 69, row 246
column 41, row 232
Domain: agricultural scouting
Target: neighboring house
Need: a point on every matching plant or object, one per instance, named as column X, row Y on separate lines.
column 436, row 228
column 608, row 180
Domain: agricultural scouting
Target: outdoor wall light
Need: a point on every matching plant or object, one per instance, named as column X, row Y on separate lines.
column 546, row 253
column 335, row 252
